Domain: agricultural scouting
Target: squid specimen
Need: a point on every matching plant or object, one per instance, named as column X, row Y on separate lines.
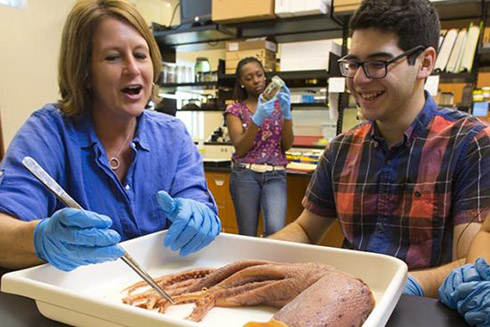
column 307, row 294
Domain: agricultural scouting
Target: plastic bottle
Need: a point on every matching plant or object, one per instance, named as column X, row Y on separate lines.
column 272, row 89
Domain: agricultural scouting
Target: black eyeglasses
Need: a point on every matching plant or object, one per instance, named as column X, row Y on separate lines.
column 374, row 69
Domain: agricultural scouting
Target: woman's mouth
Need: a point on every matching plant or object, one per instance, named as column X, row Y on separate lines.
column 133, row 92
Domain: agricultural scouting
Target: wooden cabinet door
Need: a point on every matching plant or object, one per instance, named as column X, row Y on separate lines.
column 219, row 183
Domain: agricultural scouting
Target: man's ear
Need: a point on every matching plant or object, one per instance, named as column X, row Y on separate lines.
column 427, row 61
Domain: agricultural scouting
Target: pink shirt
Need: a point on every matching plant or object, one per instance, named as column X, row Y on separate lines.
column 266, row 148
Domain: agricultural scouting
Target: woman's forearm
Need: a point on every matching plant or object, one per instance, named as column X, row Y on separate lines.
column 245, row 142
column 17, row 243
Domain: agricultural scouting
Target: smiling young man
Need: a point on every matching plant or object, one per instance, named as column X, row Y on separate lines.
column 413, row 181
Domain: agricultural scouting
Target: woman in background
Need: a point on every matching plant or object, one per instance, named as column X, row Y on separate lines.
column 261, row 131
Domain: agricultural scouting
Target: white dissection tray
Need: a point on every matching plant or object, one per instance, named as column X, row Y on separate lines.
column 91, row 295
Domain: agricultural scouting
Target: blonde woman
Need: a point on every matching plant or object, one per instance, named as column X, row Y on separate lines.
column 135, row 171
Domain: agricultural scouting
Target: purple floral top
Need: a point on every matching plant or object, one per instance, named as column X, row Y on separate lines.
column 266, row 148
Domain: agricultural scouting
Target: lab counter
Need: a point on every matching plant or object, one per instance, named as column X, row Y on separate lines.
column 18, row 311
column 218, row 179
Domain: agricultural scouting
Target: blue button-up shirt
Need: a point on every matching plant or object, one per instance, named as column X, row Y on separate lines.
column 165, row 158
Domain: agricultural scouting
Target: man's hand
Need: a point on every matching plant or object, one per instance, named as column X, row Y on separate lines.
column 412, row 287
column 467, row 289
column 474, row 305
column 72, row 237
column 464, row 274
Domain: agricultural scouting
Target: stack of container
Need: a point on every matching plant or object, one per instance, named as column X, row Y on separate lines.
column 262, row 49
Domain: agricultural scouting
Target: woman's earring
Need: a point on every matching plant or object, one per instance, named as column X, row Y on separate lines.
column 242, row 86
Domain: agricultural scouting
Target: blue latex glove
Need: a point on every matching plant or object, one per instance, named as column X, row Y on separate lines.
column 483, row 269
column 72, row 237
column 264, row 110
column 412, row 287
column 285, row 102
column 194, row 224
column 475, row 302
column 464, row 274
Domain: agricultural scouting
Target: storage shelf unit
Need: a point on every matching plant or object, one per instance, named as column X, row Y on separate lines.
column 194, row 34
column 304, row 28
column 284, row 30
column 190, row 85
column 304, row 78
column 308, row 105
column 459, row 9
column 447, row 9
column 484, row 54
column 464, row 77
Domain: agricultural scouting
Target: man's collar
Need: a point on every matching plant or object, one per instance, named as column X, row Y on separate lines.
column 424, row 117
column 418, row 125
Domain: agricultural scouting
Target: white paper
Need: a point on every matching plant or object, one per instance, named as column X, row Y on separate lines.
column 333, row 109
column 432, row 84
column 336, row 85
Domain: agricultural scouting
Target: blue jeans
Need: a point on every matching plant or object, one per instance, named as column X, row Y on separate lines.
column 251, row 191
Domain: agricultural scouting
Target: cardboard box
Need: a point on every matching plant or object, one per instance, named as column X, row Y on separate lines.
column 262, row 49
column 251, row 44
column 258, row 53
column 455, row 88
column 232, row 71
column 269, row 65
column 339, row 3
column 483, row 80
column 346, row 5
column 486, row 37
column 350, row 8
column 234, row 11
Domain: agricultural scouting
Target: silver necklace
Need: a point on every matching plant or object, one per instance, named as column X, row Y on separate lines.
column 114, row 162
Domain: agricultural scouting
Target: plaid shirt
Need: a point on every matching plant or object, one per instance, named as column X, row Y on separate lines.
column 404, row 201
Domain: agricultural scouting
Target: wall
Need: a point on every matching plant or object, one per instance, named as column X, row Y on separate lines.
column 30, row 41
column 159, row 11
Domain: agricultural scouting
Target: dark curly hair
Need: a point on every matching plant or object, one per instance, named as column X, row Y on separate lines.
column 239, row 93
column 415, row 22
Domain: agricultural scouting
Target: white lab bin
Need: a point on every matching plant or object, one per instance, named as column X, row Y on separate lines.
column 91, row 295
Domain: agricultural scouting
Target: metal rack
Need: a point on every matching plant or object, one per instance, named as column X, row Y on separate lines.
column 300, row 29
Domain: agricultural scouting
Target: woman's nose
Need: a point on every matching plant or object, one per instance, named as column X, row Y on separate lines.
column 131, row 66
column 257, row 79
